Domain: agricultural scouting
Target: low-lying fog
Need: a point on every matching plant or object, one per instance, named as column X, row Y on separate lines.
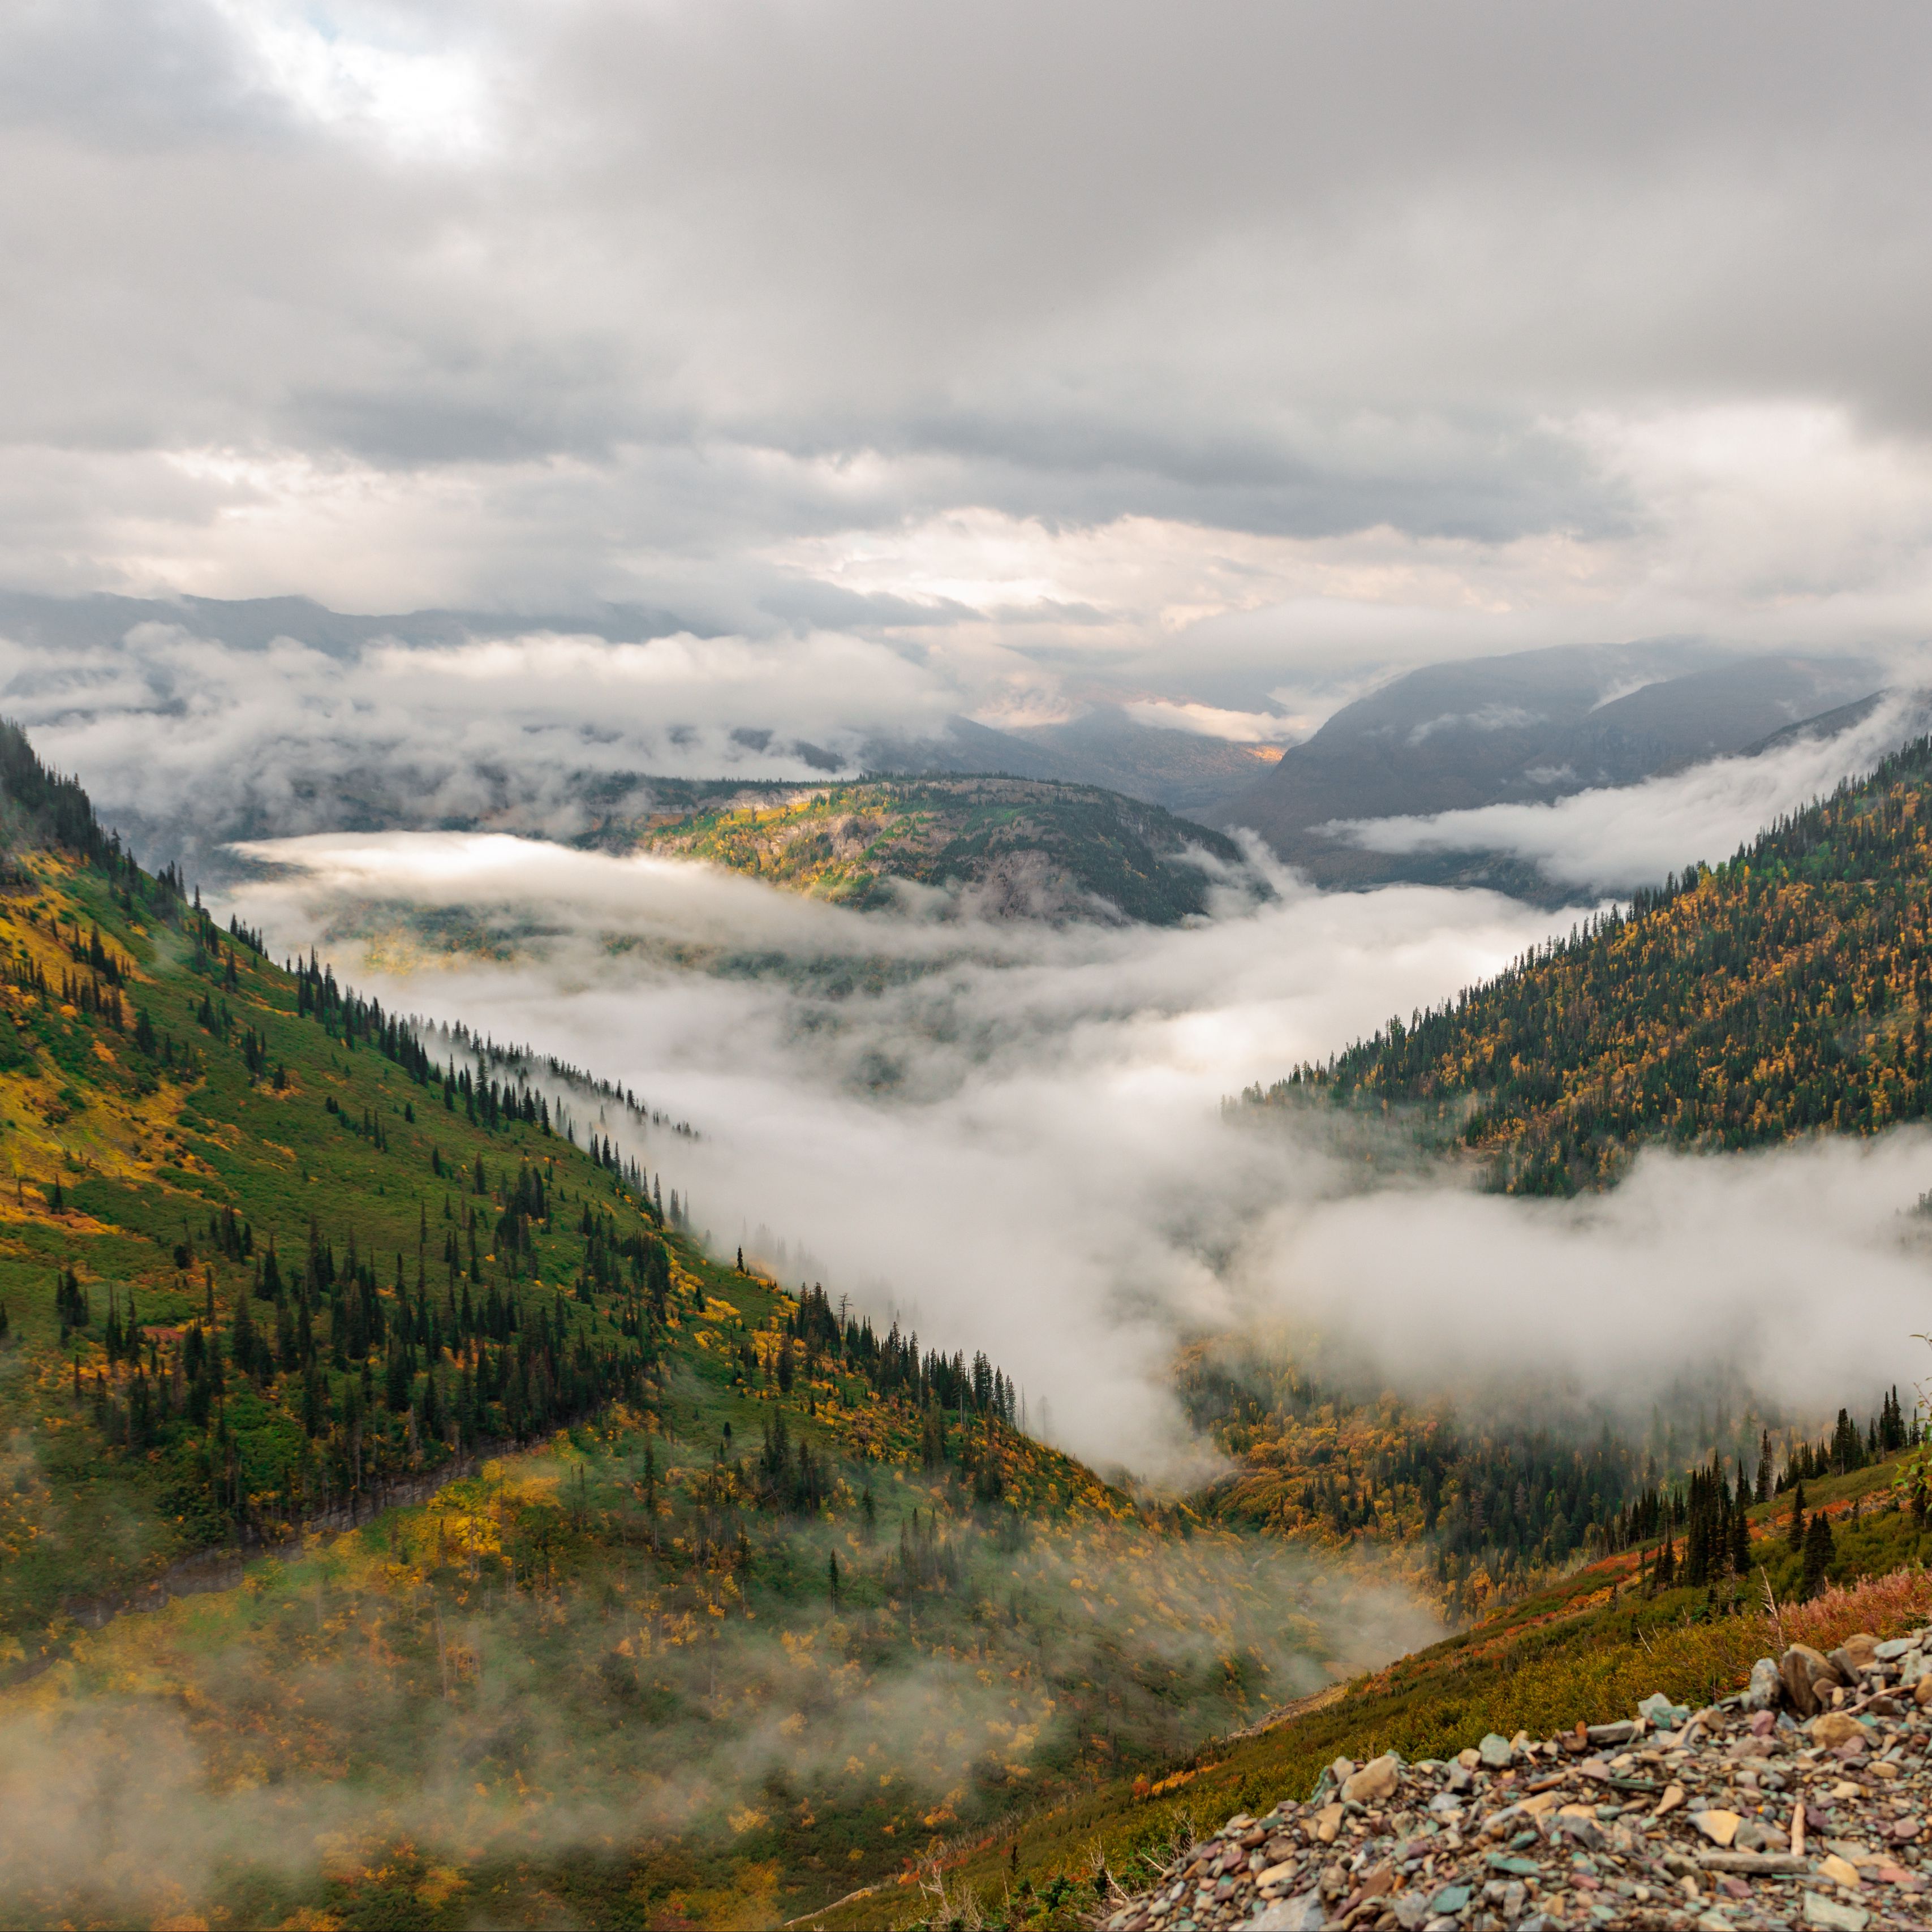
column 1011, row 1136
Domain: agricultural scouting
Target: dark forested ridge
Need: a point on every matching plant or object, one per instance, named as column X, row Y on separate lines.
column 1782, row 991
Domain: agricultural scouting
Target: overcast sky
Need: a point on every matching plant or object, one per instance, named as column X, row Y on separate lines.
column 1223, row 352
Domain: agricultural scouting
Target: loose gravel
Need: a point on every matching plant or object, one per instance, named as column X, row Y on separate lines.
column 1803, row 1801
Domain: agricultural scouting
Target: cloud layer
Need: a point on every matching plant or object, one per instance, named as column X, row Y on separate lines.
column 185, row 739
column 1220, row 363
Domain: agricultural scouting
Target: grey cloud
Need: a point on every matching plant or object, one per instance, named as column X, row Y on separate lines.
column 1694, row 1263
column 1299, row 271
column 1435, row 319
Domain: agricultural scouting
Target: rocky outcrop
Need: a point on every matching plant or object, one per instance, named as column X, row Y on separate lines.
column 1802, row 1801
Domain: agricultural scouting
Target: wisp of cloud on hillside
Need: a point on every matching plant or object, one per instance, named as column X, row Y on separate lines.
column 1008, row 1134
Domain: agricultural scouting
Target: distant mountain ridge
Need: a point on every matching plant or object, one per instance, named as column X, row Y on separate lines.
column 1532, row 727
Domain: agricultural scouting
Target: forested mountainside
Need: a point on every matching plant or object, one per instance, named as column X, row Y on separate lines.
column 502, row 1556
column 1481, row 1507
column 1016, row 847
column 1782, row 991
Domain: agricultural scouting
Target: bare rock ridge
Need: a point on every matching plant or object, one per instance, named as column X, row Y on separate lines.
column 1804, row 1801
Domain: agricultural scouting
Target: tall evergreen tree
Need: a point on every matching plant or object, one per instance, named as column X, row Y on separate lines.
column 1818, row 1551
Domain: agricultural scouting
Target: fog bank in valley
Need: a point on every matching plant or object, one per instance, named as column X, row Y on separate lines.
column 1012, row 1137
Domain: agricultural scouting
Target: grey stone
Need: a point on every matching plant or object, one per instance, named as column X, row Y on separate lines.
column 1495, row 1752
column 1753, row 1864
column 1290, row 1914
column 1766, row 1688
column 1833, row 1917
column 1410, row 1909
column 1619, row 1733
column 1585, row 1830
column 1887, row 1653
column 1667, row 1716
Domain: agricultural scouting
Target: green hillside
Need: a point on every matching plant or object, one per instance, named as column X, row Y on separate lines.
column 1782, row 992
column 1583, row 1650
column 497, row 1555
column 404, row 1522
column 1021, row 846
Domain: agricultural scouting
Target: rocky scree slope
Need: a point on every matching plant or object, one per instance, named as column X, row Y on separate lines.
column 1801, row 1802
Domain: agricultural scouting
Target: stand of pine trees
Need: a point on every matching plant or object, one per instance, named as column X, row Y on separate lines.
column 1782, row 992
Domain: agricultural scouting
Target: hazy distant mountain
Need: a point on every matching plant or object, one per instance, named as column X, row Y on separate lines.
column 1535, row 726
column 1180, row 770
column 252, row 623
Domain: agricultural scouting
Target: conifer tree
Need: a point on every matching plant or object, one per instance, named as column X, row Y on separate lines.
column 1740, row 1536
column 1794, row 1536
column 1818, row 1551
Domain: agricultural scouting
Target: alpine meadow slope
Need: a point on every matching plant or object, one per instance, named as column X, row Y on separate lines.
column 392, row 1476
column 1006, row 846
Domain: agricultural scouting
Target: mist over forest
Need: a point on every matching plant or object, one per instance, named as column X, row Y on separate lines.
column 964, row 968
